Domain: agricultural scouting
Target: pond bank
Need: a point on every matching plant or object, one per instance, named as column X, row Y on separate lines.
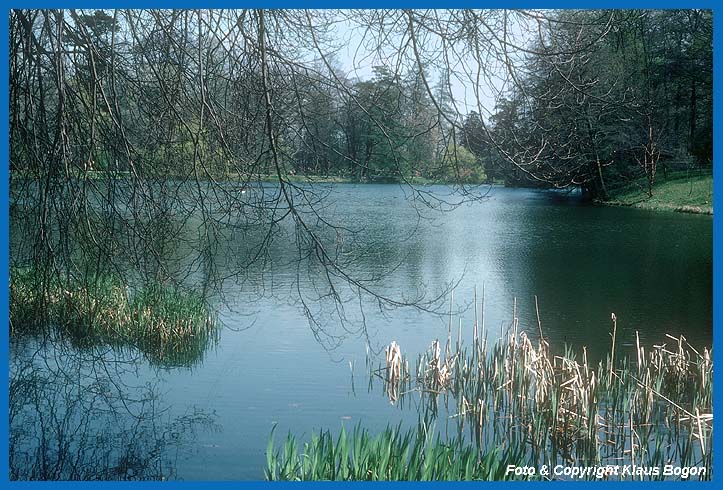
column 694, row 196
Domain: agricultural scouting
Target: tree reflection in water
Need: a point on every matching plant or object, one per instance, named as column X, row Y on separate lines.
column 77, row 415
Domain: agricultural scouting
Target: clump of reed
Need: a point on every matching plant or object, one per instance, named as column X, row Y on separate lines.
column 394, row 370
column 176, row 323
column 394, row 454
column 168, row 325
column 39, row 299
column 649, row 410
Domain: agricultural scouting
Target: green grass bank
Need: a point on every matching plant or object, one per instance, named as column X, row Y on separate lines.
column 681, row 194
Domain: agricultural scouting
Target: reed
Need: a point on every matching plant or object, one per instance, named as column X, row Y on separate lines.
column 168, row 325
column 554, row 409
column 415, row 454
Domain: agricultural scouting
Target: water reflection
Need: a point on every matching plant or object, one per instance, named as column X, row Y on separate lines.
column 91, row 415
column 653, row 271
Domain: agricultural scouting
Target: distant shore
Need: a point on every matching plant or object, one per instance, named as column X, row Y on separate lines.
column 679, row 193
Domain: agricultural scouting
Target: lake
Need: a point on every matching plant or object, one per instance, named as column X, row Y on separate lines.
column 273, row 368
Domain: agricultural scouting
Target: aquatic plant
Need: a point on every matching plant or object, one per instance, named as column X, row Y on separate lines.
column 653, row 410
column 169, row 325
column 416, row 454
column 646, row 415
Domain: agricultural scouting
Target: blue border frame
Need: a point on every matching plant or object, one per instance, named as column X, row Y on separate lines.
column 4, row 239
column 4, row 211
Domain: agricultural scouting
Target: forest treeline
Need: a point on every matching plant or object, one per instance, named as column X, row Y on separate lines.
column 590, row 98
column 607, row 110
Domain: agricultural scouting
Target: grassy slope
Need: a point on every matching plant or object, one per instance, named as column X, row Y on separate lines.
column 694, row 195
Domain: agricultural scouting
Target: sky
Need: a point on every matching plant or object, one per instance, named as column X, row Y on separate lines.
column 357, row 61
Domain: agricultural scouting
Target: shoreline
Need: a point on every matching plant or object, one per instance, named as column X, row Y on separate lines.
column 668, row 196
column 667, row 207
column 691, row 195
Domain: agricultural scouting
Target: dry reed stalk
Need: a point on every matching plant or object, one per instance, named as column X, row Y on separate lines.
column 394, row 370
column 459, row 335
column 632, row 441
column 701, row 434
column 483, row 335
column 449, row 330
column 394, row 362
column 612, row 353
column 475, row 334
column 539, row 323
column 480, row 412
column 440, row 371
column 514, row 323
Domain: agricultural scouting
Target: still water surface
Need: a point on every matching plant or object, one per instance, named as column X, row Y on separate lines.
column 652, row 269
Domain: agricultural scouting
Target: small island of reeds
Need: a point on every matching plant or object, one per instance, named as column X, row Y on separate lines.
column 168, row 325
